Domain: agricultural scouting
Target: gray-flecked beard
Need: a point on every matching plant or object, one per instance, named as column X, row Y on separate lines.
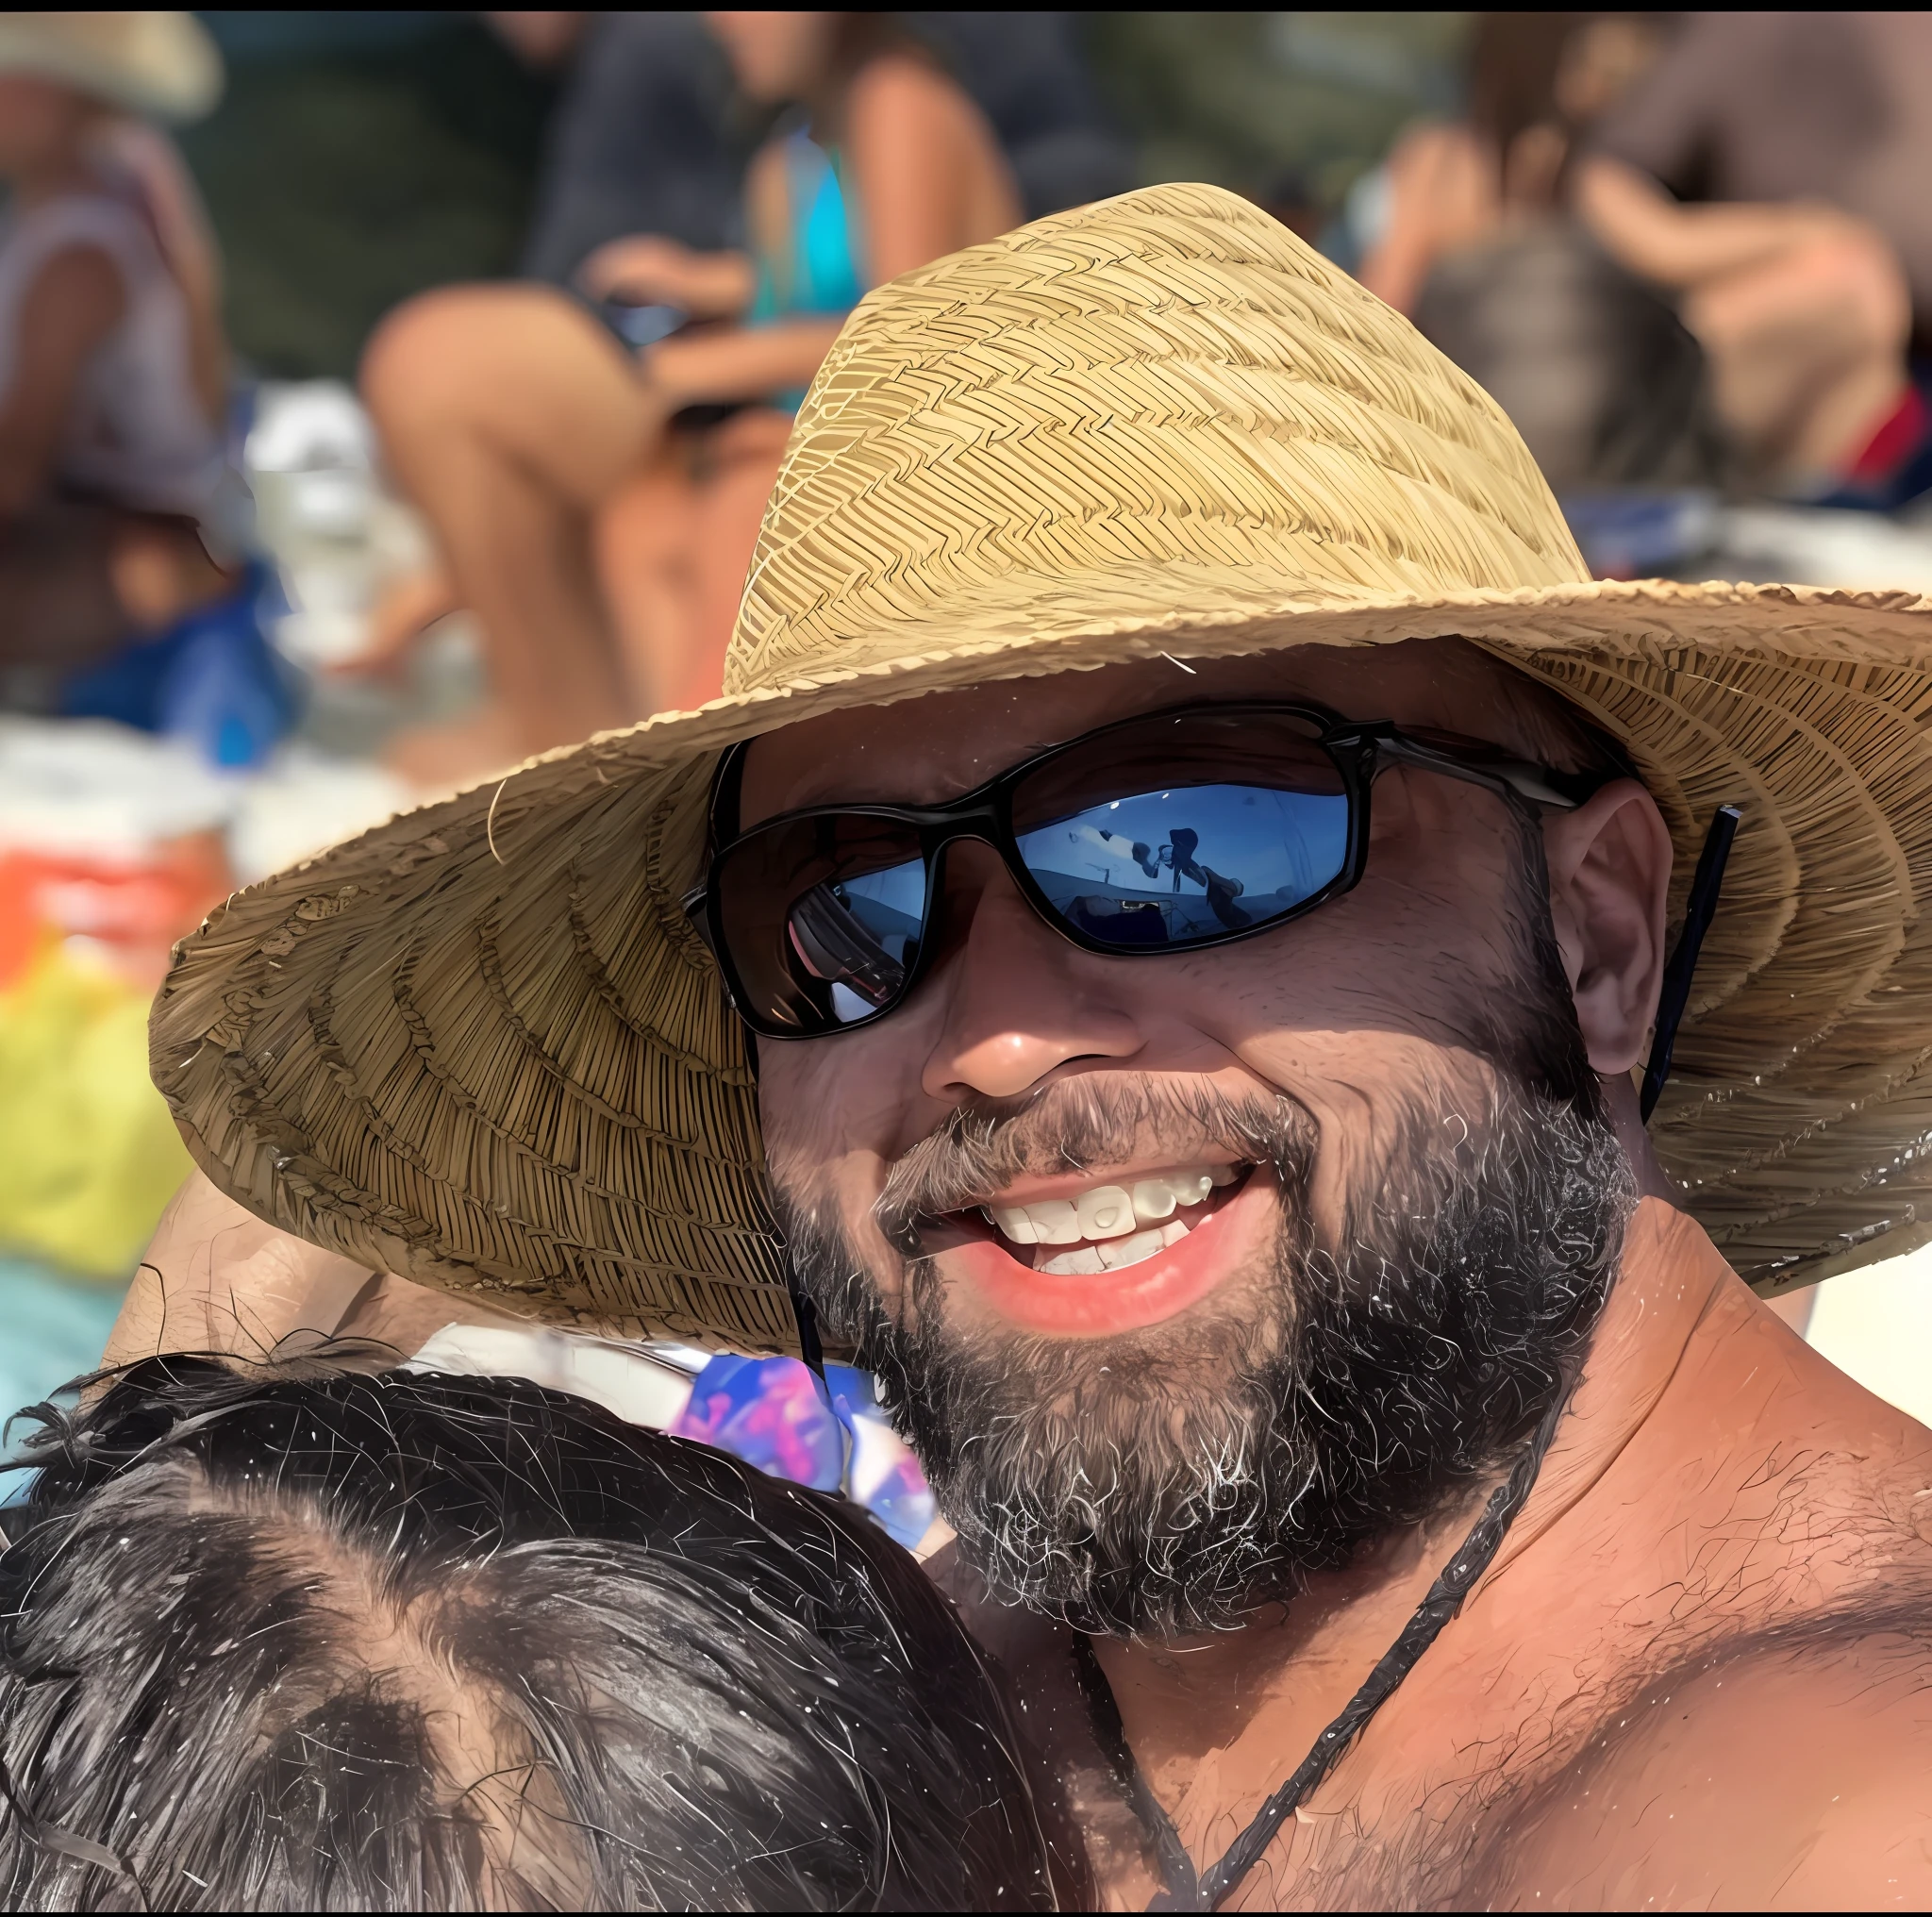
column 1174, row 1479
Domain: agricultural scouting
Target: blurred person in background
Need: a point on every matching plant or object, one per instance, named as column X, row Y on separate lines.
column 649, row 136
column 1476, row 244
column 112, row 364
column 1535, row 81
column 1771, row 171
column 594, row 494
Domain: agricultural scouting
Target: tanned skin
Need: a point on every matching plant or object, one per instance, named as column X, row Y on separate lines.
column 1693, row 1675
column 602, row 557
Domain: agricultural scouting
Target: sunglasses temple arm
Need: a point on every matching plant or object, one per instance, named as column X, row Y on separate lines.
column 1505, row 777
column 1698, row 912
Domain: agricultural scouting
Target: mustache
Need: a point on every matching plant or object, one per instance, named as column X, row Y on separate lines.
column 1096, row 1119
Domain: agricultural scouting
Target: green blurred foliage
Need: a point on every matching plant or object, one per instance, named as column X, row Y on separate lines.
column 342, row 180
column 1252, row 101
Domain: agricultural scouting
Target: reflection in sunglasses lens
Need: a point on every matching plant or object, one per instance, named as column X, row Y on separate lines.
column 860, row 935
column 1193, row 862
column 1158, row 834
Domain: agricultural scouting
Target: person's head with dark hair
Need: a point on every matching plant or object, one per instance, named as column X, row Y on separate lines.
column 339, row 1642
column 1537, row 81
column 1592, row 365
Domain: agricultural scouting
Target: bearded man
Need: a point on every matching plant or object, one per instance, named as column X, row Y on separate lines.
column 1154, row 952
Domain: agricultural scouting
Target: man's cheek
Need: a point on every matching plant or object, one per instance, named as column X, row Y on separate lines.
column 836, row 1187
column 1357, row 1090
column 825, row 1097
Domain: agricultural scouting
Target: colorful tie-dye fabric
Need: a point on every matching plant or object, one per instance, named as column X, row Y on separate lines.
column 774, row 1413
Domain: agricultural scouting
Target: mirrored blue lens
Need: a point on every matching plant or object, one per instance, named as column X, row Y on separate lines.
column 860, row 935
column 1184, row 828
column 821, row 917
column 1162, row 833
column 1169, row 868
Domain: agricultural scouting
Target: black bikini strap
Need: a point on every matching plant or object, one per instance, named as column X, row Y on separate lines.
column 1185, row 1891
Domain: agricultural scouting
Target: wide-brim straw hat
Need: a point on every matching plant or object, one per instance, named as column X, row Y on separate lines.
column 481, row 1046
column 160, row 64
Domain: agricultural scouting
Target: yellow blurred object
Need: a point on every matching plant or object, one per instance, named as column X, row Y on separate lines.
column 89, row 1155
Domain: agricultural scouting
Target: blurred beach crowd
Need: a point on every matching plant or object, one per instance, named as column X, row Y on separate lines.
column 398, row 396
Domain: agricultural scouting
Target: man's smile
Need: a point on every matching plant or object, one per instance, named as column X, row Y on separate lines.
column 1089, row 1255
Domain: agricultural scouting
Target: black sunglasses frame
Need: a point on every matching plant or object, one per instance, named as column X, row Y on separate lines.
column 1360, row 750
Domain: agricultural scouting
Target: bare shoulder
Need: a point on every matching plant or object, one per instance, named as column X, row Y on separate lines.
column 902, row 103
column 1789, row 1488
column 1859, row 1472
column 1755, row 1728
column 898, row 83
column 929, row 172
column 74, row 298
column 1788, row 1768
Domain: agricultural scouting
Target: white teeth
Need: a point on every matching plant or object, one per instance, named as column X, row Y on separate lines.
column 1154, row 1200
column 1012, row 1222
column 1085, row 1262
column 1055, row 1222
column 1116, row 1254
column 1108, row 1212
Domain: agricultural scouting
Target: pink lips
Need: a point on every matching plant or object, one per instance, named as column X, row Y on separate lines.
column 1101, row 1305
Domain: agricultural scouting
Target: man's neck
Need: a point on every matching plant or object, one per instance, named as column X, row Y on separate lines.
column 1716, row 1491
column 1185, row 1704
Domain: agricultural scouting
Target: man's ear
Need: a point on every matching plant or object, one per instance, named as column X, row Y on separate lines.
column 1609, row 863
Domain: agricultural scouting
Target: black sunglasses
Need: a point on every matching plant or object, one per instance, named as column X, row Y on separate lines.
column 1168, row 832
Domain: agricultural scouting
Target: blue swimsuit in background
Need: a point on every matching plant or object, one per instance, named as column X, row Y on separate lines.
column 817, row 274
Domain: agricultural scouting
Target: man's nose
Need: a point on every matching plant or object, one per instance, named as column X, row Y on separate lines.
column 1018, row 1000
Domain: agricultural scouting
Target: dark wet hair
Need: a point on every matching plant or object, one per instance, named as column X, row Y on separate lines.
column 331, row 1641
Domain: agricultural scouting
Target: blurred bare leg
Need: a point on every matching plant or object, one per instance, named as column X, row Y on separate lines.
column 746, row 455
column 673, row 547
column 406, row 609
column 1807, row 350
column 644, row 540
column 509, row 415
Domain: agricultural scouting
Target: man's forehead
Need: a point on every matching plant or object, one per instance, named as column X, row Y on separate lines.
column 931, row 748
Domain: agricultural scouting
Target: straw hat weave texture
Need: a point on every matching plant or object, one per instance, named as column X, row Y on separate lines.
column 482, row 1047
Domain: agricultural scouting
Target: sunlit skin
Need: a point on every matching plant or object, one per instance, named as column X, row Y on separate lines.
column 1646, row 1702
column 1325, row 1009
column 777, row 56
column 1716, row 1484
